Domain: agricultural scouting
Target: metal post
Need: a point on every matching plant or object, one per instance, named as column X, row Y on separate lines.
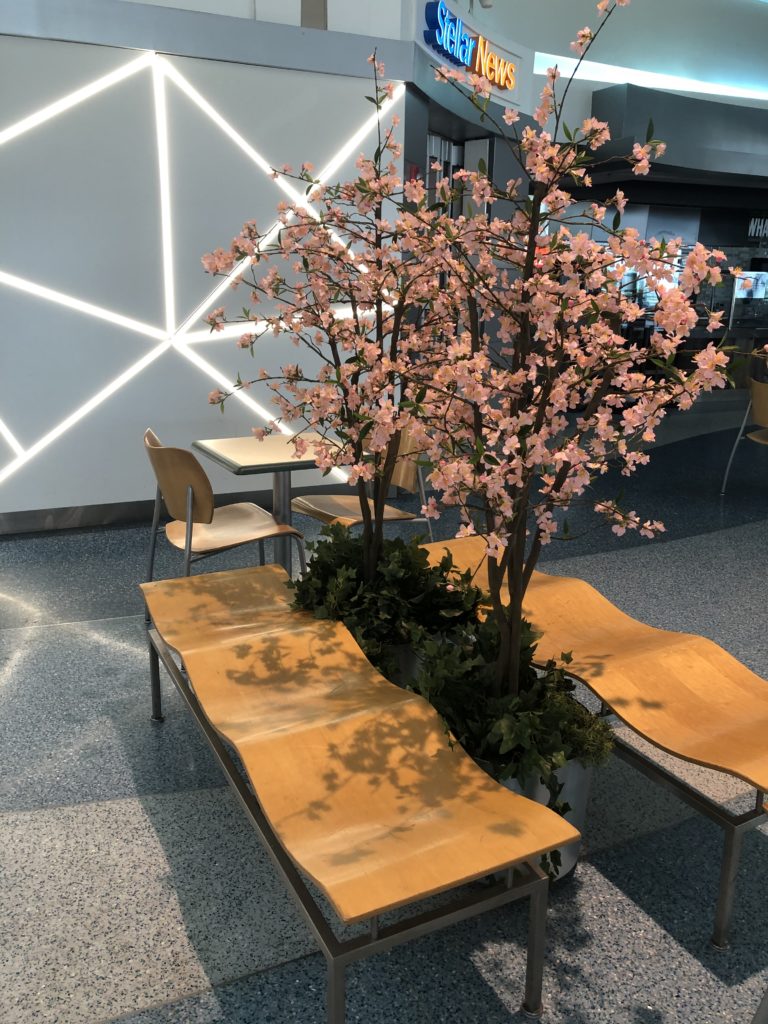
column 188, row 538
column 153, row 547
column 154, row 678
column 537, row 941
column 281, row 510
column 735, row 446
column 336, row 993
column 728, row 872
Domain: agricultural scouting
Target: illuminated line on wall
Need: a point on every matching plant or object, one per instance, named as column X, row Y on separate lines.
column 351, row 145
column 237, row 271
column 186, row 86
column 84, row 409
column 593, row 71
column 330, row 168
column 161, row 126
column 10, row 439
column 240, row 395
column 73, row 98
column 171, row 337
column 237, row 330
column 40, row 291
column 222, row 380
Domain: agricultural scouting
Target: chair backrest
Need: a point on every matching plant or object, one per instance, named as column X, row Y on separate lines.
column 176, row 470
column 759, row 393
column 406, row 470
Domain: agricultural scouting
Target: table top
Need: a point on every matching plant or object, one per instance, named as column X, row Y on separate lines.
column 246, row 455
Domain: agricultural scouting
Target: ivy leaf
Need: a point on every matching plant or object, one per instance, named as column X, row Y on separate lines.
column 649, row 133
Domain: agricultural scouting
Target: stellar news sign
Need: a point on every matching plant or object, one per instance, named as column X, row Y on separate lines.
column 449, row 36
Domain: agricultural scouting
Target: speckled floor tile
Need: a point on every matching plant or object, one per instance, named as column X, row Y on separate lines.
column 88, row 574
column 607, row 963
column 74, row 719
column 671, row 878
column 108, row 908
column 713, row 585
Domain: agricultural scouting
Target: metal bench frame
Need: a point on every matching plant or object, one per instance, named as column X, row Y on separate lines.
column 526, row 879
column 734, row 825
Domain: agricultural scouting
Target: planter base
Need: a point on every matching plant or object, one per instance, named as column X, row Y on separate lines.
column 576, row 780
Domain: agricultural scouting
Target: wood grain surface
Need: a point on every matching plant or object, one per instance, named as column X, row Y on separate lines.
column 357, row 776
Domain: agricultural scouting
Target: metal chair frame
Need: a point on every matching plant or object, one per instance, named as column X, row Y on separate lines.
column 733, row 825
column 525, row 879
column 189, row 557
column 739, row 436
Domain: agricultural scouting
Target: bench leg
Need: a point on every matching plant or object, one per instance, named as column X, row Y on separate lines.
column 154, row 678
column 537, row 941
column 728, row 872
column 336, row 993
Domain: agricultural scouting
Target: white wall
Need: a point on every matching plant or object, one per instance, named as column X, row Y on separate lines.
column 285, row 12
column 80, row 213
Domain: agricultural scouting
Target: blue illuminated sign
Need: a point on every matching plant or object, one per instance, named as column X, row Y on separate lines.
column 446, row 34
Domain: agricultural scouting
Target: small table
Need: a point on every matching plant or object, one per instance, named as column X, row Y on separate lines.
column 244, row 456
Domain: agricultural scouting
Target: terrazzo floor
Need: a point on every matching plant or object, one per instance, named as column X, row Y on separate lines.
column 133, row 889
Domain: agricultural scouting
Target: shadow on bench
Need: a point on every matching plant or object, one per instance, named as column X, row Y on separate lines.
column 354, row 783
column 682, row 693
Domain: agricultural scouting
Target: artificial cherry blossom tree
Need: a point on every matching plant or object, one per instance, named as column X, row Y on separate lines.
column 540, row 392
column 495, row 339
column 341, row 280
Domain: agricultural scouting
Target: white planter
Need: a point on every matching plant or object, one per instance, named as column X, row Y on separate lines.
column 576, row 781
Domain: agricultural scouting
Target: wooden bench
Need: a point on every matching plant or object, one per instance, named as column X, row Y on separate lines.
column 682, row 693
column 352, row 780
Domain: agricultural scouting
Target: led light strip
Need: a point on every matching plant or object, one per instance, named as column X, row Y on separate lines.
column 78, row 96
column 41, row 292
column 75, row 417
column 594, row 71
column 237, row 330
column 10, row 439
column 172, row 338
column 163, row 161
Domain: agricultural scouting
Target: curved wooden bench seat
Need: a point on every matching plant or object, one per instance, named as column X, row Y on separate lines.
column 683, row 693
column 354, row 775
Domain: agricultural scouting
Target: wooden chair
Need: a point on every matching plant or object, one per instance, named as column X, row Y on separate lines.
column 354, row 782
column 757, row 412
column 344, row 509
column 197, row 527
column 680, row 692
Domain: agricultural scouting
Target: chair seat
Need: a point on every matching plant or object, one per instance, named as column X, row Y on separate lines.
column 232, row 525
column 761, row 436
column 343, row 509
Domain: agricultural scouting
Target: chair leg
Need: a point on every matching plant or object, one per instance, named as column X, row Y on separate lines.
column 302, row 555
column 423, row 496
column 728, row 871
column 154, row 679
column 262, row 553
column 336, row 993
column 153, row 544
column 188, row 536
column 735, row 446
column 537, row 942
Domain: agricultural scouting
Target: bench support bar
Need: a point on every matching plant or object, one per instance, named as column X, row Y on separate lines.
column 734, row 826
column 524, row 880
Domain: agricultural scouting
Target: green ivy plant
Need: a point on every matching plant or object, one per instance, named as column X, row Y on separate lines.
column 407, row 598
column 440, row 616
